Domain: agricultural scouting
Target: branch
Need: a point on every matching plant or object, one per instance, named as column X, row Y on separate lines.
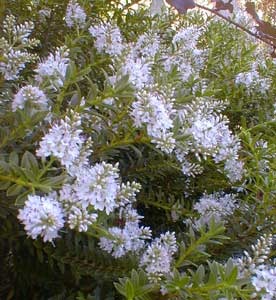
column 268, row 42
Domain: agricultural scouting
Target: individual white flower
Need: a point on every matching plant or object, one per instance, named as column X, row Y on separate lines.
column 64, row 141
column 31, row 94
column 108, row 38
column 42, row 216
column 98, row 186
column 54, row 68
column 75, row 15
column 158, row 256
column 207, row 133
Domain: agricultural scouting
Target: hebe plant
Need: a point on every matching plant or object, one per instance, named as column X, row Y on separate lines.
column 137, row 151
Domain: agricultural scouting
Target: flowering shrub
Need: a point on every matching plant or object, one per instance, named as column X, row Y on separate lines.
column 137, row 152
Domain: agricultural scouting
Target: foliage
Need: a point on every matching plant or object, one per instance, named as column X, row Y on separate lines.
column 137, row 153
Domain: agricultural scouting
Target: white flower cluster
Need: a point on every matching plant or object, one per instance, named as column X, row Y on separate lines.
column 98, row 186
column 207, row 134
column 128, row 193
column 247, row 264
column 31, row 95
column 42, row 216
column 64, row 141
column 264, row 281
column 79, row 215
column 147, row 45
column 14, row 48
column 216, row 206
column 130, row 238
column 158, row 257
column 253, row 80
column 75, row 15
column 184, row 55
column 154, row 110
column 108, row 38
column 53, row 68
column 137, row 68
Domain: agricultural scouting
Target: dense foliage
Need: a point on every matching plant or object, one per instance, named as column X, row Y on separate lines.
column 137, row 153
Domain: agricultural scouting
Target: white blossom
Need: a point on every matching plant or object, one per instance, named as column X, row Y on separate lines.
column 253, row 80
column 14, row 47
column 75, row 15
column 54, row 68
column 64, row 141
column 264, row 280
column 31, row 94
column 207, row 133
column 127, row 193
column 148, row 44
column 98, row 186
column 108, row 38
column 80, row 218
column 157, row 258
column 138, row 69
column 14, row 61
column 130, row 238
column 154, row 111
column 42, row 216
column 216, row 206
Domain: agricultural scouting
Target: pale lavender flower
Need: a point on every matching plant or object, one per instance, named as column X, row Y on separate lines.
column 138, row 69
column 79, row 218
column 216, row 206
column 14, row 61
column 130, row 238
column 75, row 15
column 53, row 68
column 42, row 216
column 64, row 141
column 108, row 38
column 31, row 94
column 98, row 186
column 252, row 79
column 13, row 47
column 154, row 111
column 148, row 44
column 158, row 257
column 264, row 281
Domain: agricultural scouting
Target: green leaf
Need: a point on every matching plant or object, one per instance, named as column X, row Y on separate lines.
column 29, row 162
column 54, row 181
column 4, row 185
column 129, row 290
column 14, row 158
column 4, row 167
column 14, row 190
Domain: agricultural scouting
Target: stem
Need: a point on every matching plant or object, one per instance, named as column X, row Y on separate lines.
column 237, row 25
column 202, row 240
column 30, row 185
column 47, row 167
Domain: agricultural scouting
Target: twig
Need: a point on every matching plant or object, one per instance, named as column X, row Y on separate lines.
column 237, row 25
